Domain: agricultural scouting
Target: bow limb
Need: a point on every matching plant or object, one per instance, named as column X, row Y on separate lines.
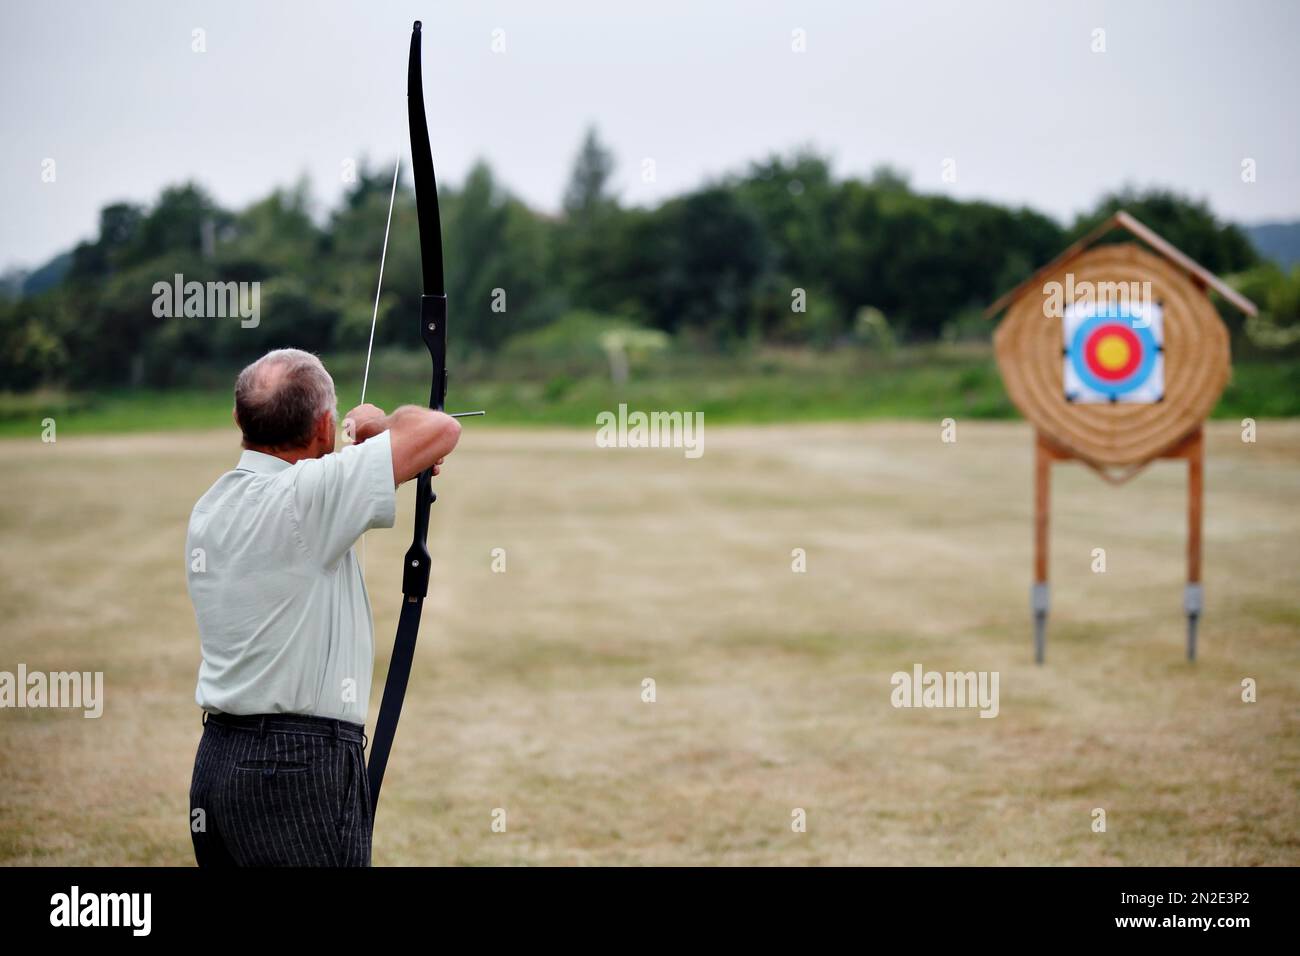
column 433, row 332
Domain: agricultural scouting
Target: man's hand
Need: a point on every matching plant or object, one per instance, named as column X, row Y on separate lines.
column 364, row 421
column 421, row 438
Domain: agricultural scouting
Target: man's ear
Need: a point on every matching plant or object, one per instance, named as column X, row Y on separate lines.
column 325, row 428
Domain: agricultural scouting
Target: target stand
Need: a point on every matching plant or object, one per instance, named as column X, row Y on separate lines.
column 1046, row 452
column 1116, row 355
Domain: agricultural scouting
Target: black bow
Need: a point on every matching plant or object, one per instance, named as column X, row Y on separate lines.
column 433, row 330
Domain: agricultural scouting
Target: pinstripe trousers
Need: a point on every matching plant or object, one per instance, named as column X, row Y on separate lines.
column 280, row 790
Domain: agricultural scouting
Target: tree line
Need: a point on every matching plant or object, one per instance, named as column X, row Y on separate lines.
column 784, row 252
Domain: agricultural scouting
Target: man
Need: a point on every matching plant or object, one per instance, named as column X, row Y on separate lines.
column 284, row 618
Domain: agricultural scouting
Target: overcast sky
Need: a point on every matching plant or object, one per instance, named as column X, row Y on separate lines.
column 1012, row 91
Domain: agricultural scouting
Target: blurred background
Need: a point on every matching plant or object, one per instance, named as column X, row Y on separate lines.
column 647, row 186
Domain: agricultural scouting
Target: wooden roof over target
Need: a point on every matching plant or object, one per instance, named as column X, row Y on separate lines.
column 1199, row 275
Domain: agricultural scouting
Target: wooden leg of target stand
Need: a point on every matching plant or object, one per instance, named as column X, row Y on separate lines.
column 1039, row 596
column 1192, row 595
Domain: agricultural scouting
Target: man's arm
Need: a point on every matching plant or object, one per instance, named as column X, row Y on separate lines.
column 420, row 437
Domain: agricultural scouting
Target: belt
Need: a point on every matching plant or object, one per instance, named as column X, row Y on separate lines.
column 289, row 724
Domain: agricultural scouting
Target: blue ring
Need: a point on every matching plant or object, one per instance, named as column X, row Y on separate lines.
column 1135, row 378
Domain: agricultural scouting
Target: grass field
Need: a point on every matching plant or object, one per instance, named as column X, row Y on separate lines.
column 761, row 385
column 773, row 688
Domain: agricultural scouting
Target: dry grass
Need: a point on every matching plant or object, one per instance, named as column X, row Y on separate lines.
column 773, row 687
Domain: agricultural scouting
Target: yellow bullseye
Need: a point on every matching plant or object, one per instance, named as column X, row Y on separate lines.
column 1112, row 352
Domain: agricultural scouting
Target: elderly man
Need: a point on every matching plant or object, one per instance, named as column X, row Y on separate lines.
column 284, row 618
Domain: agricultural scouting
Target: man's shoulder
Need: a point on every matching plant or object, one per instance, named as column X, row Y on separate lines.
column 235, row 488
column 355, row 459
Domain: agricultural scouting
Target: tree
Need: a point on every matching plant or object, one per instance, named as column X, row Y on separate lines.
column 707, row 255
column 587, row 191
column 586, row 265
column 1187, row 223
column 496, row 264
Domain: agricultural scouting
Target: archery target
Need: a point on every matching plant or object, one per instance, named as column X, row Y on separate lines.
column 1114, row 353
column 1191, row 366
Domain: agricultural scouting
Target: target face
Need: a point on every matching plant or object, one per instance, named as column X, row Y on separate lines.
column 1114, row 353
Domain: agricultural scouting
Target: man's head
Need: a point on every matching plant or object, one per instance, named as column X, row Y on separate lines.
column 285, row 405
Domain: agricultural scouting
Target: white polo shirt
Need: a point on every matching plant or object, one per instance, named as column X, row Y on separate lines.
column 284, row 618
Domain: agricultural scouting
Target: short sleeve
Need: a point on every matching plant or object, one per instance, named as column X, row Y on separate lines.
column 342, row 495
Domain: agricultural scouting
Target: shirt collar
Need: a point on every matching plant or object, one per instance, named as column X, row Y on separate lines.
column 261, row 463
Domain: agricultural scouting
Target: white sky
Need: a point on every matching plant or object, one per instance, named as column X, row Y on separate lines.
column 1009, row 89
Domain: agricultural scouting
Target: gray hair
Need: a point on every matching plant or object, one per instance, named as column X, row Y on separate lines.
column 279, row 397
